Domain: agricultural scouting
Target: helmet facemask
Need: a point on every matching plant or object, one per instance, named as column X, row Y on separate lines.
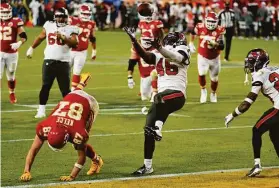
column 211, row 24
column 5, row 12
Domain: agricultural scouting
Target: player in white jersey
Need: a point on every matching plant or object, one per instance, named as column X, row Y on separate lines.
column 266, row 80
column 171, row 61
column 60, row 38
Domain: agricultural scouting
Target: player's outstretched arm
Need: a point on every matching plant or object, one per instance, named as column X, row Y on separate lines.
column 36, row 43
column 35, row 148
column 148, row 57
column 77, row 166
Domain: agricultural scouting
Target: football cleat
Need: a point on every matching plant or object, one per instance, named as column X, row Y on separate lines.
column 84, row 79
column 13, row 99
column 143, row 171
column 96, row 165
column 256, row 170
column 40, row 114
column 154, row 131
column 203, row 96
column 213, row 97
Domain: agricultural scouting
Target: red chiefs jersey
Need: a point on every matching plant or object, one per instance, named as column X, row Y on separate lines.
column 73, row 112
column 86, row 29
column 150, row 29
column 204, row 34
column 8, row 35
column 145, row 69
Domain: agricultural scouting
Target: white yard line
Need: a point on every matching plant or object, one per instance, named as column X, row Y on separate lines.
column 140, row 133
column 137, row 178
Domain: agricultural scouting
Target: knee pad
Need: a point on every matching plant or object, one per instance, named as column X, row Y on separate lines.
column 214, row 78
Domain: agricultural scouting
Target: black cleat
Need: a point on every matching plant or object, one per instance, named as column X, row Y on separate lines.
column 155, row 132
column 256, row 170
column 143, row 171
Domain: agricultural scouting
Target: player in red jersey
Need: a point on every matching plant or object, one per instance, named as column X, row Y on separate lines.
column 87, row 33
column 211, row 42
column 149, row 30
column 70, row 121
column 10, row 28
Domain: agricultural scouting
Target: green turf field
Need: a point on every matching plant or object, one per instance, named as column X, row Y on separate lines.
column 188, row 145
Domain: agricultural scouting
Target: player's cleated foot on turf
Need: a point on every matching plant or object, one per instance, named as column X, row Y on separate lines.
column 203, row 96
column 143, row 171
column 40, row 114
column 155, row 132
column 13, row 99
column 96, row 166
column 256, row 170
column 84, row 78
column 213, row 97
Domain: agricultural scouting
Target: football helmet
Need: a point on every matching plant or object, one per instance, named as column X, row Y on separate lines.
column 85, row 12
column 5, row 11
column 174, row 39
column 145, row 11
column 57, row 137
column 61, row 16
column 255, row 60
column 211, row 21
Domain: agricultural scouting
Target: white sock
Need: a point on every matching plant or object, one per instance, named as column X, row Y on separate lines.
column 257, row 161
column 148, row 163
column 159, row 124
column 42, row 108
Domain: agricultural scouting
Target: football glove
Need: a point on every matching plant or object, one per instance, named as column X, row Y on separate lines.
column 26, row 176
column 131, row 82
column 192, row 47
column 156, row 43
column 228, row 119
column 16, row 45
column 131, row 32
column 66, row 178
column 29, row 52
column 212, row 43
column 93, row 55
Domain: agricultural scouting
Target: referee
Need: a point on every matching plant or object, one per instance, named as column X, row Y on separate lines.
column 227, row 20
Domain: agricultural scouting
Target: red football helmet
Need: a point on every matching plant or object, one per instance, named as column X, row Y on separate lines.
column 211, row 21
column 5, row 11
column 145, row 11
column 85, row 12
column 57, row 137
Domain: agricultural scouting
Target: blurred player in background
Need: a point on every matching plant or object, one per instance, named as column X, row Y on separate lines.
column 171, row 60
column 264, row 79
column 149, row 30
column 60, row 37
column 87, row 33
column 211, row 42
column 10, row 29
column 70, row 121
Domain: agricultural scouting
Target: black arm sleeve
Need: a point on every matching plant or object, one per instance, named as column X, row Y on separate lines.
column 132, row 64
column 23, row 36
column 148, row 57
column 186, row 57
column 92, row 39
column 221, row 45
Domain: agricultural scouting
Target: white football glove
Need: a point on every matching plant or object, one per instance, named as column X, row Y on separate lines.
column 29, row 52
column 93, row 55
column 228, row 119
column 192, row 47
column 16, row 45
column 131, row 82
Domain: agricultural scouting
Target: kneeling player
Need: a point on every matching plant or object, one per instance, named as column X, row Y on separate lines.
column 70, row 121
column 265, row 80
column 171, row 61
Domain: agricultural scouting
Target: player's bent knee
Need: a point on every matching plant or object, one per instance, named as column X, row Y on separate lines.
column 214, row 78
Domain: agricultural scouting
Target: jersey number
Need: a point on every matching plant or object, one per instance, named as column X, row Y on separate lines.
column 52, row 39
column 86, row 33
column 163, row 67
column 274, row 78
column 5, row 33
column 75, row 110
column 203, row 42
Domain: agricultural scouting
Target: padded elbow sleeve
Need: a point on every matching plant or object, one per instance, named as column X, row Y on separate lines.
column 23, row 36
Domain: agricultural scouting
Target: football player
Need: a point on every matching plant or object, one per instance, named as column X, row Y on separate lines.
column 171, row 60
column 10, row 28
column 87, row 33
column 149, row 30
column 211, row 42
column 266, row 80
column 60, row 37
column 70, row 121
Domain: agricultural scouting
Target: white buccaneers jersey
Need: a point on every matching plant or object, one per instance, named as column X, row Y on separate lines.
column 56, row 49
column 172, row 75
column 268, row 79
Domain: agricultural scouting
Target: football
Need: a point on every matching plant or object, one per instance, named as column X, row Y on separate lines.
column 145, row 9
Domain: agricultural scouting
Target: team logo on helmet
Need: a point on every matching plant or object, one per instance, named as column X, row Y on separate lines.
column 85, row 12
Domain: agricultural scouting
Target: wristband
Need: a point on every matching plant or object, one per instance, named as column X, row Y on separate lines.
column 78, row 165
column 237, row 111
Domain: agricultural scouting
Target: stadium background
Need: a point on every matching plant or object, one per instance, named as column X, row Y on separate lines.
column 194, row 140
